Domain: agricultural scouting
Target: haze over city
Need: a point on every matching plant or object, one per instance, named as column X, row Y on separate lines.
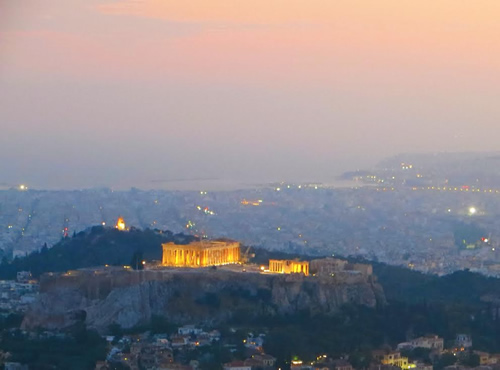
column 249, row 185
column 141, row 93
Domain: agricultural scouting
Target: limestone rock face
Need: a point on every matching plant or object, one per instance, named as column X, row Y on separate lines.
column 130, row 298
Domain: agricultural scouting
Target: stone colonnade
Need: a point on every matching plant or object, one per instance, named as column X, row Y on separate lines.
column 289, row 267
column 201, row 254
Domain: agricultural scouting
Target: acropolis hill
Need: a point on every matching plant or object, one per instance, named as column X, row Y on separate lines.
column 100, row 297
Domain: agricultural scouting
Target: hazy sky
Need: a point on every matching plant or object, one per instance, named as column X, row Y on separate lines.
column 123, row 93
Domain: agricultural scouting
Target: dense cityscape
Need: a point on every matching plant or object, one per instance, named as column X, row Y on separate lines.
column 405, row 217
column 249, row 185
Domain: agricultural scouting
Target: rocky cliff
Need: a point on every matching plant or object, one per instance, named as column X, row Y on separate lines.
column 130, row 298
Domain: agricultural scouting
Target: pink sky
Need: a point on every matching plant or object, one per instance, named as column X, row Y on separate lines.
column 105, row 92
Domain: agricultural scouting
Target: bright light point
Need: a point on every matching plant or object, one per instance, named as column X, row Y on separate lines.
column 120, row 224
column 143, row 262
column 278, row 189
column 486, row 240
column 449, row 210
column 316, row 187
column 279, row 228
column 472, row 211
column 493, row 249
column 23, row 187
column 103, row 223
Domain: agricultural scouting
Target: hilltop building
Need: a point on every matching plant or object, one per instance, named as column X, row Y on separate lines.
column 289, row 267
column 120, row 224
column 202, row 253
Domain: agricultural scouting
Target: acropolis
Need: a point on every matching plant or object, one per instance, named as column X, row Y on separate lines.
column 202, row 253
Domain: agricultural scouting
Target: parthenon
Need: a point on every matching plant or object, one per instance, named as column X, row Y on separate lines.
column 201, row 253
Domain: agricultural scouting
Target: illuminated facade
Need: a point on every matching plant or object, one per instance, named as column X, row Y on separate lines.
column 289, row 267
column 201, row 254
column 394, row 359
column 120, row 224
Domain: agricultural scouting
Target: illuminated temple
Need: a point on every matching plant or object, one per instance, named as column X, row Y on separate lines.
column 289, row 267
column 201, row 253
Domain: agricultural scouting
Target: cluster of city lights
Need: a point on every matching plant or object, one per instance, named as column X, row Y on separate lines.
column 205, row 210
column 251, row 202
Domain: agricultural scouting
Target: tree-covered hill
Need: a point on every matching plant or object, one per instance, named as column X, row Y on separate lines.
column 96, row 246
column 403, row 284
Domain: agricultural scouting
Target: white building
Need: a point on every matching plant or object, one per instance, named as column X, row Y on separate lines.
column 189, row 330
column 463, row 340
